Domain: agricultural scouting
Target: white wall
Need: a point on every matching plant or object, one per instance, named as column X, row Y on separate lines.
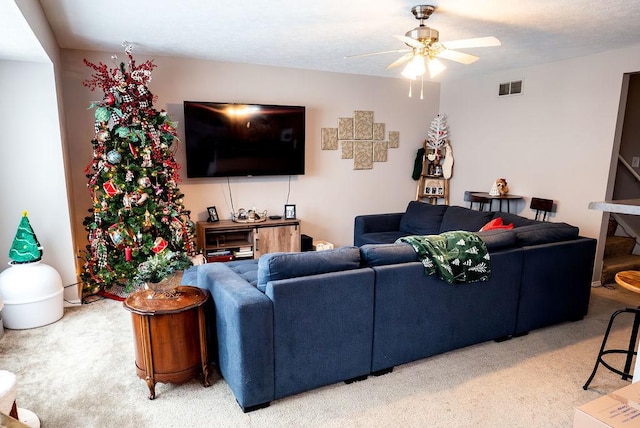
column 329, row 195
column 31, row 164
column 555, row 141
column 32, row 151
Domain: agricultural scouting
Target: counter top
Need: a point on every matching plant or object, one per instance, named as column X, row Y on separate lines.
column 623, row 206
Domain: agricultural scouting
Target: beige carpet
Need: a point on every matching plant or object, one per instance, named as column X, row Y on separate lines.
column 79, row 372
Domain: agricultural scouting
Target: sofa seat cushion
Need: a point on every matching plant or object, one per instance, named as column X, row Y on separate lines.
column 247, row 269
column 461, row 218
column 381, row 237
column 544, row 233
column 275, row 266
column 422, row 219
column 387, row 254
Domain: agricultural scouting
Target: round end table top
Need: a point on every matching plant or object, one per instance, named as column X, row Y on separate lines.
column 629, row 279
column 146, row 302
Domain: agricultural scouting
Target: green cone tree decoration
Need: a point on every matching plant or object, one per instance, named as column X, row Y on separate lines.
column 25, row 247
column 138, row 208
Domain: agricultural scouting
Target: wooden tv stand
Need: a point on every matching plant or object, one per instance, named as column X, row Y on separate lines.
column 227, row 240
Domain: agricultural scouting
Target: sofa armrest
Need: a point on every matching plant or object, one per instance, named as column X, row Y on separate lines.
column 244, row 327
column 372, row 223
column 556, row 283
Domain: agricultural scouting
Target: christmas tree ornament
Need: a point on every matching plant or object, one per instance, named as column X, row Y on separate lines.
column 110, row 188
column 144, row 182
column 127, row 200
column 142, row 198
column 116, row 235
column 114, row 157
column 147, row 220
column 102, row 136
column 159, row 244
column 102, row 114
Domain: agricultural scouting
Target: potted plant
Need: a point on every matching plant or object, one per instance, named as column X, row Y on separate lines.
column 161, row 272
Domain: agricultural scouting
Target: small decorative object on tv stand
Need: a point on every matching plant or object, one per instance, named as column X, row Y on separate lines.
column 250, row 216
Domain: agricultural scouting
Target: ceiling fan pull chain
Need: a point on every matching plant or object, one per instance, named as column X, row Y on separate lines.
column 409, row 88
column 422, row 88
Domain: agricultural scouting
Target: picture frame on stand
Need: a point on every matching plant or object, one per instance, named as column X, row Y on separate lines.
column 213, row 215
column 289, row 212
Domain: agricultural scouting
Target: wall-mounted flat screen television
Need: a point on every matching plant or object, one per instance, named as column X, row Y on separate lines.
column 230, row 140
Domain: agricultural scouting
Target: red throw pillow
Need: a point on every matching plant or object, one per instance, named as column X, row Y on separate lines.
column 496, row 223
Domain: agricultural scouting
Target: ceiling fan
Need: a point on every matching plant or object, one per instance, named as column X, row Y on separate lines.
column 424, row 48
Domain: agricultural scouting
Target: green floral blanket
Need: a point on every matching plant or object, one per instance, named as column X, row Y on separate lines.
column 458, row 257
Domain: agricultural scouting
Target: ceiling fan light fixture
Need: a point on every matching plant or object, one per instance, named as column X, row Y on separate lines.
column 423, row 46
column 435, row 67
column 414, row 68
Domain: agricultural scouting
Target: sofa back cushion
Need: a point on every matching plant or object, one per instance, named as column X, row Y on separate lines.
column 460, row 218
column 387, row 254
column 544, row 233
column 422, row 219
column 498, row 239
column 274, row 266
column 516, row 220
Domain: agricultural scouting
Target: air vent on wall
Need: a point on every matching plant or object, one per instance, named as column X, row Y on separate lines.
column 510, row 88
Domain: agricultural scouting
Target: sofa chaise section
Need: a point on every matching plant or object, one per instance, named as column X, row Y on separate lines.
column 243, row 332
column 290, row 322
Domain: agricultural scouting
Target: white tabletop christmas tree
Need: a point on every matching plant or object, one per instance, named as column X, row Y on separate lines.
column 25, row 247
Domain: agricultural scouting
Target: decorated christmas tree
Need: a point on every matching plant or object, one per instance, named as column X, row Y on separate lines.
column 138, row 209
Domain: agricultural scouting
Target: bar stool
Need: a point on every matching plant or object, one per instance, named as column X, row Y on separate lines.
column 542, row 206
column 631, row 281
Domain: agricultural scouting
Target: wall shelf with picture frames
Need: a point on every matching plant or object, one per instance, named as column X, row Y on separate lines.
column 437, row 164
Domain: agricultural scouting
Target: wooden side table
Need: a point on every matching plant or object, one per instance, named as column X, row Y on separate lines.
column 170, row 335
column 507, row 197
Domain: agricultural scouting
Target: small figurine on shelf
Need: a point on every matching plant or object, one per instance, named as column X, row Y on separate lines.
column 499, row 188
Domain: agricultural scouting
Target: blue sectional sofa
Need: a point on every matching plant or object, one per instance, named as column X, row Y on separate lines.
column 291, row 322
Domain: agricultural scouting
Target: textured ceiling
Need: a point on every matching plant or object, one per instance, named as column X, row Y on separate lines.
column 319, row 34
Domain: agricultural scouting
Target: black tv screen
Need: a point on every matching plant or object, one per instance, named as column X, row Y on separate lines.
column 227, row 139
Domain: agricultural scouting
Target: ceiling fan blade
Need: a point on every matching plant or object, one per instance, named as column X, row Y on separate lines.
column 456, row 56
column 404, row 58
column 411, row 42
column 478, row 42
column 378, row 53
